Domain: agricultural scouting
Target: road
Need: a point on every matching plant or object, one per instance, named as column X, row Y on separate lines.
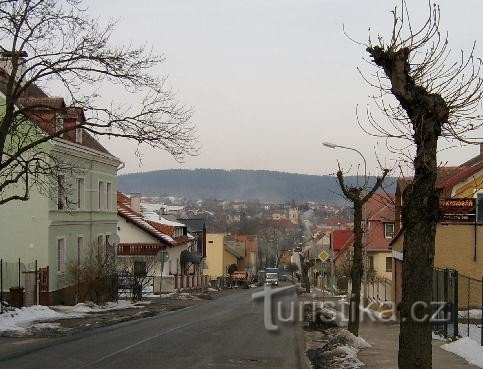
column 224, row 333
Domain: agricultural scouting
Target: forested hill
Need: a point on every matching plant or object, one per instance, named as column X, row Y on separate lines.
column 221, row 184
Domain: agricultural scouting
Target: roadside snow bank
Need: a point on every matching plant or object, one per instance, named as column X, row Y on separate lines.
column 468, row 349
column 20, row 319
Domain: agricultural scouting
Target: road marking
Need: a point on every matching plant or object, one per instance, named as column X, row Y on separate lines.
column 135, row 344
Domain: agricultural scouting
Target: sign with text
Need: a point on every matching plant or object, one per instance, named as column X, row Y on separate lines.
column 458, row 209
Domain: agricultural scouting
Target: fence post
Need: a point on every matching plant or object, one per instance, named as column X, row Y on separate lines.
column 36, row 297
column 455, row 305
column 18, row 273
column 446, row 302
column 481, row 323
column 468, row 307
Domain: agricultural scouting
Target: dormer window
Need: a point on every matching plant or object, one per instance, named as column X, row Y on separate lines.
column 78, row 135
column 59, row 123
column 388, row 230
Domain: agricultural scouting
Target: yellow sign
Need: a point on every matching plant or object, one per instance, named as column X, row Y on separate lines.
column 324, row 256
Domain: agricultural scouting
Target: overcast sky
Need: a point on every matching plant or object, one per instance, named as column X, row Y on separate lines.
column 269, row 80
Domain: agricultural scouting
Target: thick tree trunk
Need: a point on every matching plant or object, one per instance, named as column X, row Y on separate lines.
column 419, row 217
column 357, row 270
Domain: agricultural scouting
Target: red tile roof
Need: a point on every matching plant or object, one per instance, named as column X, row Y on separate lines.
column 43, row 111
column 339, row 238
column 162, row 232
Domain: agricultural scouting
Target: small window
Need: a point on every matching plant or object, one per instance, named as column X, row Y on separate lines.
column 78, row 135
column 370, row 265
column 100, row 191
column 80, row 248
column 388, row 230
column 61, row 255
column 107, row 238
column 61, row 192
column 100, row 240
column 80, row 193
column 59, row 123
column 388, row 264
column 108, row 196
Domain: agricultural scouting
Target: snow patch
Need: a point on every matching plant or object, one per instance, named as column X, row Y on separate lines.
column 468, row 349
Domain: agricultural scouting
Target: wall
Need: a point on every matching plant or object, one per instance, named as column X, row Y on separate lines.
column 380, row 263
column 214, row 255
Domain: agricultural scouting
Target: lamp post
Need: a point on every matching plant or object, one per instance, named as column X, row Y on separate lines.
column 364, row 258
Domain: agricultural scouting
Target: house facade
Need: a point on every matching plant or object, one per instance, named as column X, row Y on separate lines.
column 57, row 227
column 459, row 232
column 143, row 236
column 220, row 254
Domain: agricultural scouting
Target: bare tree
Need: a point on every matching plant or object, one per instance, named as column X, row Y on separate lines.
column 136, row 273
column 56, row 43
column 358, row 196
column 94, row 274
column 434, row 97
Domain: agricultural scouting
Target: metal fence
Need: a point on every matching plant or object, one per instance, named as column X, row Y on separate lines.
column 18, row 275
column 379, row 289
column 470, row 308
column 462, row 301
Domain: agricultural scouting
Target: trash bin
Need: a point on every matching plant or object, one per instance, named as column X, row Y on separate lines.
column 16, row 296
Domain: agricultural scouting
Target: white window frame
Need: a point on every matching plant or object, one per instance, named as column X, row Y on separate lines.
column 386, row 235
column 81, row 193
column 61, row 200
column 101, row 238
column 108, row 195
column 78, row 135
column 80, row 248
column 100, row 191
column 61, row 263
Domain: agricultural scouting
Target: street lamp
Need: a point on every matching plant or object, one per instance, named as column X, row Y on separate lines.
column 364, row 276
column 335, row 146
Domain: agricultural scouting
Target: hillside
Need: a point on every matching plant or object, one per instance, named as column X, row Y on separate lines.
column 264, row 185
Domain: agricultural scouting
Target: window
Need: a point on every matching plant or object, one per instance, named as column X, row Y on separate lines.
column 80, row 193
column 61, row 255
column 101, row 190
column 100, row 239
column 388, row 264
column 107, row 238
column 388, row 230
column 108, row 196
column 370, row 264
column 61, row 192
column 59, row 123
column 80, row 248
column 479, row 207
column 78, row 135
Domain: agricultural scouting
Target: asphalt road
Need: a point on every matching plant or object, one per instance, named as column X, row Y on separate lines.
column 224, row 333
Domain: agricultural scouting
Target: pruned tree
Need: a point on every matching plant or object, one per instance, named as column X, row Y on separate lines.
column 358, row 195
column 424, row 94
column 48, row 43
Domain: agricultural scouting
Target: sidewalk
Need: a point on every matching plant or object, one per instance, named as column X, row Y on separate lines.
column 384, row 337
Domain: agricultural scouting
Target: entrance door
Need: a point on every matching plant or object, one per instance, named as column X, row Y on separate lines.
column 44, row 286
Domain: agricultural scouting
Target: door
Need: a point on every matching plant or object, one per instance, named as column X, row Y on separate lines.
column 44, row 286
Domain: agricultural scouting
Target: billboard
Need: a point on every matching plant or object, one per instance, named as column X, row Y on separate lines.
column 458, row 209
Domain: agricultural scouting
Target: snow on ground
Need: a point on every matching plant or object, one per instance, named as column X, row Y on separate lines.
column 468, row 349
column 474, row 313
column 20, row 319
column 475, row 331
column 37, row 317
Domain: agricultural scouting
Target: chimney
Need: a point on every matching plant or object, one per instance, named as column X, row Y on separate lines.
column 136, row 201
column 6, row 64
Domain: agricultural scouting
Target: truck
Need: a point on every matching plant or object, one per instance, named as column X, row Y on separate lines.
column 240, row 278
column 271, row 276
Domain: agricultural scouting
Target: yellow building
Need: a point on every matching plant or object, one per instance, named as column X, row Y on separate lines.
column 218, row 256
column 459, row 234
